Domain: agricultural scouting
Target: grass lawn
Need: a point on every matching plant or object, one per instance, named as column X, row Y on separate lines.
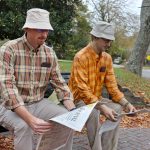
column 125, row 78
column 65, row 65
column 135, row 83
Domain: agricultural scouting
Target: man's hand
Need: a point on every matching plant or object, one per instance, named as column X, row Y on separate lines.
column 127, row 105
column 130, row 108
column 69, row 104
column 108, row 112
column 38, row 125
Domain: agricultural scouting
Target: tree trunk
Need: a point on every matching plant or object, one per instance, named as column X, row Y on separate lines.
column 137, row 57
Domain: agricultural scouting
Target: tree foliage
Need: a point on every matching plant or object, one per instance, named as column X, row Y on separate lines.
column 80, row 32
column 62, row 14
column 109, row 10
column 115, row 11
column 11, row 18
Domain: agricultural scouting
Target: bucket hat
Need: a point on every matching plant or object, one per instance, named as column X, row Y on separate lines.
column 103, row 30
column 37, row 19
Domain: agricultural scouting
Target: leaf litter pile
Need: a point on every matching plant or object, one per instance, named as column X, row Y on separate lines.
column 141, row 120
column 6, row 142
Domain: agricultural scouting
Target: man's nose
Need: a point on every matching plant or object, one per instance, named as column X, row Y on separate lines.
column 45, row 33
column 109, row 43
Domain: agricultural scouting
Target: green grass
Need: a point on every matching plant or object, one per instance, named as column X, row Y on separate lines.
column 135, row 83
column 65, row 65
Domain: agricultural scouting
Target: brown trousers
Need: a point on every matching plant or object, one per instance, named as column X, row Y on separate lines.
column 107, row 140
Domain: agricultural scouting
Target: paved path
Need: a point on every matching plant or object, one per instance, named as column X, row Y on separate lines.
column 146, row 73
column 130, row 139
column 80, row 142
column 134, row 139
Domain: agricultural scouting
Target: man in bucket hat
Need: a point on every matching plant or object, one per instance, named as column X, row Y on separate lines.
column 26, row 67
column 92, row 68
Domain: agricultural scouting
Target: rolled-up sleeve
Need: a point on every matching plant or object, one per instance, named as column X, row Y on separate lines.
column 62, row 90
column 9, row 92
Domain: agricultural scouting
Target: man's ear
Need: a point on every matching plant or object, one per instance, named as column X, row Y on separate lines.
column 25, row 29
column 93, row 38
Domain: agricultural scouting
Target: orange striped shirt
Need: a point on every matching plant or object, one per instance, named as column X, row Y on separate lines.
column 90, row 72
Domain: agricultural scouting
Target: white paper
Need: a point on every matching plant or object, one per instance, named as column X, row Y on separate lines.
column 75, row 119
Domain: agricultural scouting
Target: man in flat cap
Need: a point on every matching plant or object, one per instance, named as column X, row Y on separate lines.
column 27, row 65
column 92, row 69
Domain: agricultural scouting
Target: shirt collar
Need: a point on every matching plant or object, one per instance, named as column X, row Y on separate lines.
column 30, row 48
column 27, row 43
column 93, row 53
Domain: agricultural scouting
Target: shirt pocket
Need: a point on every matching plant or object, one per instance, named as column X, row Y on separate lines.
column 43, row 75
column 102, row 77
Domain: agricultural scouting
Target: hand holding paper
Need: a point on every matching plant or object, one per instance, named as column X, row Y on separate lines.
column 75, row 119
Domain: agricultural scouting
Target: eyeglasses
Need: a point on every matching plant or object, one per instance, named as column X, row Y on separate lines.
column 42, row 30
column 106, row 40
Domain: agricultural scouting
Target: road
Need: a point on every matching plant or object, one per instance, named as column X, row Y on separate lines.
column 146, row 73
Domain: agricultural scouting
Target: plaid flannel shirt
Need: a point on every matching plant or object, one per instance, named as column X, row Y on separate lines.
column 25, row 74
column 89, row 73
